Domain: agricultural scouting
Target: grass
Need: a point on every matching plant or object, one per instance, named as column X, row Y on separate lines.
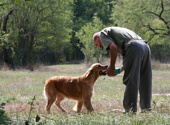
column 18, row 88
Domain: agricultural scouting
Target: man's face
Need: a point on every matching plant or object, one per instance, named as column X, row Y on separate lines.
column 98, row 43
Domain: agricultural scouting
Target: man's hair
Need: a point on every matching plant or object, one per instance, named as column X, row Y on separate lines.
column 95, row 34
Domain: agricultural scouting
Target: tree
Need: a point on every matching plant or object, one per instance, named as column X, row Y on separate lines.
column 160, row 16
column 37, row 25
column 84, row 11
column 85, row 36
column 150, row 19
column 5, row 46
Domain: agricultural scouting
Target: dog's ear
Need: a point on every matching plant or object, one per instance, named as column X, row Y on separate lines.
column 99, row 66
column 88, row 72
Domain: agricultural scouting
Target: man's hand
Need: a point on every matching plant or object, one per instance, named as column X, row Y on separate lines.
column 122, row 68
column 110, row 71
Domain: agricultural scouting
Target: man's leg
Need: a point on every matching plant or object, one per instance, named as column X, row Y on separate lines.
column 132, row 65
column 145, row 88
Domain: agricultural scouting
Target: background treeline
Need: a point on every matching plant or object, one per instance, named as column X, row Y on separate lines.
column 60, row 31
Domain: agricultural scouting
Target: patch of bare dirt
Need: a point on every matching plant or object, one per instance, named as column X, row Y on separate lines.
column 38, row 107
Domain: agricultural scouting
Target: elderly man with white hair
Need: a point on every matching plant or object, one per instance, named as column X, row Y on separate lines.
column 136, row 64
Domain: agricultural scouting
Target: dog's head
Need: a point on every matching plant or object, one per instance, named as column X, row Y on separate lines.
column 99, row 69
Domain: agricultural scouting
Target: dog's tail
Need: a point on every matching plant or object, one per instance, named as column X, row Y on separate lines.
column 49, row 90
column 44, row 91
column 44, row 94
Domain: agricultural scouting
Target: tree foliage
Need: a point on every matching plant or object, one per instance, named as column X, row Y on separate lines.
column 150, row 19
column 84, row 11
column 85, row 37
column 57, row 31
column 33, row 27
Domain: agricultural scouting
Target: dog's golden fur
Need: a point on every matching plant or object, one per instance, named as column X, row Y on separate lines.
column 77, row 88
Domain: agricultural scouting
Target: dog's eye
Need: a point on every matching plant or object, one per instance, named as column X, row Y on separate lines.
column 99, row 66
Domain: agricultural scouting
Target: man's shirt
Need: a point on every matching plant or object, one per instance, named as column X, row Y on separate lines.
column 118, row 35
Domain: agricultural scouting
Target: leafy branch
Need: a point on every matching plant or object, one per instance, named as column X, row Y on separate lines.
column 160, row 16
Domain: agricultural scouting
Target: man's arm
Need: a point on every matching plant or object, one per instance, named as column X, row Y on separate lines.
column 113, row 56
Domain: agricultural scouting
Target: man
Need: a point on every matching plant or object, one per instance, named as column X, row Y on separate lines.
column 136, row 64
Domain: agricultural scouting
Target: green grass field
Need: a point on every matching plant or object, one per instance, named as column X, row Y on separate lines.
column 18, row 88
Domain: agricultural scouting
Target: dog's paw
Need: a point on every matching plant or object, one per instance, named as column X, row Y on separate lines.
column 75, row 108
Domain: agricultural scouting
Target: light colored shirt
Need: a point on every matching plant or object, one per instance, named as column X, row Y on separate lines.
column 118, row 35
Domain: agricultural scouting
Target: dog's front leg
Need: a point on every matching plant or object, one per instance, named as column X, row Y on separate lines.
column 78, row 106
column 88, row 105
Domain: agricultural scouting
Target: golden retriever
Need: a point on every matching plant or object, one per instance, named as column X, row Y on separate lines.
column 77, row 88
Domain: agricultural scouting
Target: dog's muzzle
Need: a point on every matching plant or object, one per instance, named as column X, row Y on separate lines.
column 102, row 72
